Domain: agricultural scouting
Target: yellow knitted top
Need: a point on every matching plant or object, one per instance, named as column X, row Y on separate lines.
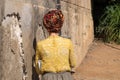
column 56, row 54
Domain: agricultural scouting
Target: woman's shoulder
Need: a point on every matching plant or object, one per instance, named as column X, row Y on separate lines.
column 41, row 42
column 66, row 38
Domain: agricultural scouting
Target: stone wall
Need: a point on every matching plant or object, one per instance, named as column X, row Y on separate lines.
column 1, row 9
column 11, row 53
column 1, row 35
column 78, row 26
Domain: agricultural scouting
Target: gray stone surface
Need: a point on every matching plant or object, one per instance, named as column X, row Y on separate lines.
column 10, row 59
column 78, row 26
column 1, row 10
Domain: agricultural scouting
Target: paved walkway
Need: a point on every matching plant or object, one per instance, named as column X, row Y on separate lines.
column 101, row 63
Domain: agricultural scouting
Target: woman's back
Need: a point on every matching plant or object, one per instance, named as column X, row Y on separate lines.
column 55, row 53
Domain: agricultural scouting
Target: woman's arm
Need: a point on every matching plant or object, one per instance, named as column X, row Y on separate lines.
column 37, row 58
column 72, row 56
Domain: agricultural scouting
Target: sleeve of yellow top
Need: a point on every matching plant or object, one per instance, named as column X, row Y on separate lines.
column 37, row 57
column 72, row 56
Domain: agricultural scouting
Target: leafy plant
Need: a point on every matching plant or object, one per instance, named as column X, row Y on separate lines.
column 109, row 27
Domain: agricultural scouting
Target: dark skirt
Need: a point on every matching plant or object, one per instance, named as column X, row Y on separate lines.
column 57, row 76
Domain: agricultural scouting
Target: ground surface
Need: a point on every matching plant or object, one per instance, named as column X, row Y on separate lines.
column 101, row 63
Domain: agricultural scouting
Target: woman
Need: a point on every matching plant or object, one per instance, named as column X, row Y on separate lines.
column 56, row 53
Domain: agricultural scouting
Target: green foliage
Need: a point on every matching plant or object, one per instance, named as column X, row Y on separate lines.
column 114, row 1
column 109, row 27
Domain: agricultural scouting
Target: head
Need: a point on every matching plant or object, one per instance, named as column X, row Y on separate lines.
column 53, row 21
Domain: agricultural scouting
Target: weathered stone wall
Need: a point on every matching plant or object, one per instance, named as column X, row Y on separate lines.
column 31, row 13
column 1, row 9
column 11, row 59
column 1, row 35
column 78, row 26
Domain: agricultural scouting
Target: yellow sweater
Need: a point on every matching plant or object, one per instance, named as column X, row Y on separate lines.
column 56, row 54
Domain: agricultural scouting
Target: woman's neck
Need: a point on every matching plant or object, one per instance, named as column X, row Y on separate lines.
column 53, row 34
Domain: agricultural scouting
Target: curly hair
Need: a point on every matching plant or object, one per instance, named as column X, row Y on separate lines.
column 53, row 21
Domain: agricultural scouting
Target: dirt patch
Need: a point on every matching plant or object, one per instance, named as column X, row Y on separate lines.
column 101, row 63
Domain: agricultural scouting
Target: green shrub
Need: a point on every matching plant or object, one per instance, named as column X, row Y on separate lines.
column 109, row 27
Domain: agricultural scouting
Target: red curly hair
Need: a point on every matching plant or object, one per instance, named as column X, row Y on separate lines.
column 53, row 21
